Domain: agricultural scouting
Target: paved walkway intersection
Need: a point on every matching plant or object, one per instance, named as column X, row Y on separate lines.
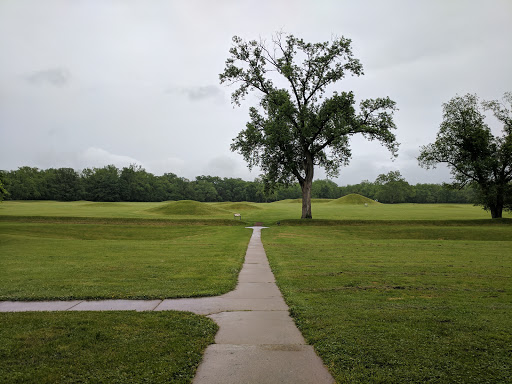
column 257, row 341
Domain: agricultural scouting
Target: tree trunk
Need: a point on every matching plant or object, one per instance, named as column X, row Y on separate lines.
column 497, row 208
column 496, row 211
column 306, row 185
column 306, row 199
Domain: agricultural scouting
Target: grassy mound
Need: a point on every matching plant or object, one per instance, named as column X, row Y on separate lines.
column 242, row 206
column 316, row 201
column 188, row 207
column 354, row 199
column 104, row 204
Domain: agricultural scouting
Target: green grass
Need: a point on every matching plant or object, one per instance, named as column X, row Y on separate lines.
column 134, row 260
column 102, row 347
column 385, row 293
column 267, row 213
column 97, row 256
column 355, row 199
column 188, row 208
column 401, row 303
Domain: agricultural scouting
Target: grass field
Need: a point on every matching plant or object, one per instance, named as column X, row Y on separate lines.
column 268, row 213
column 70, row 257
column 385, row 293
column 102, row 347
column 68, row 260
column 400, row 303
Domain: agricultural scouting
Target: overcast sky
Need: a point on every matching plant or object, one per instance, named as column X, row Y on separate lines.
column 86, row 83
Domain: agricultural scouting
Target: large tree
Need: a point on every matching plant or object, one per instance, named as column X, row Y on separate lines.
column 298, row 127
column 474, row 155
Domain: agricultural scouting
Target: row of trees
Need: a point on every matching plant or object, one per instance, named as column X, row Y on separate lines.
column 390, row 188
column 133, row 183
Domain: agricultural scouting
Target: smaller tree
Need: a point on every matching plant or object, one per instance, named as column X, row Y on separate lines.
column 62, row 184
column 393, row 188
column 25, row 183
column 256, row 191
column 325, row 189
column 473, row 154
column 102, row 184
column 204, row 189
column 134, row 184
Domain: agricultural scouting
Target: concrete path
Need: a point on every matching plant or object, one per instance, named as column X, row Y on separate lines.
column 257, row 341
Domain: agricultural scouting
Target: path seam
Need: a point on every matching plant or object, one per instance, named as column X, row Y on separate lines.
column 73, row 306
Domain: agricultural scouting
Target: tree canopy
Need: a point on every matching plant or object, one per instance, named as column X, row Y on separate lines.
column 296, row 126
column 474, row 155
column 3, row 191
column 393, row 188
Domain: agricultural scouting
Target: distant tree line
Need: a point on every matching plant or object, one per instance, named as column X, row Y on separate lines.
column 133, row 183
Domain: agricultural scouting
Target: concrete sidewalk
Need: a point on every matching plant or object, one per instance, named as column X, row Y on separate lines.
column 257, row 341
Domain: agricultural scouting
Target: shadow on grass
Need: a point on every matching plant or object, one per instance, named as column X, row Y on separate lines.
column 327, row 223
column 117, row 221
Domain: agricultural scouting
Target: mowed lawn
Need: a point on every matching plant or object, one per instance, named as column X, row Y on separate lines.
column 135, row 260
column 385, row 293
column 400, row 303
column 50, row 258
column 267, row 213
column 102, row 347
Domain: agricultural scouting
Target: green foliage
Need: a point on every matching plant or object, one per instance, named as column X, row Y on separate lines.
column 3, row 192
column 102, row 347
column 393, row 188
column 325, row 189
column 475, row 156
column 204, row 189
column 298, row 127
column 502, row 111
column 135, row 184
column 62, row 184
column 102, row 184
column 25, row 184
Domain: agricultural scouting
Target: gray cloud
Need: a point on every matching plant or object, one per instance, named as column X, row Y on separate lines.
column 57, row 77
column 95, row 95
column 199, row 93
column 98, row 157
column 168, row 165
column 222, row 165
